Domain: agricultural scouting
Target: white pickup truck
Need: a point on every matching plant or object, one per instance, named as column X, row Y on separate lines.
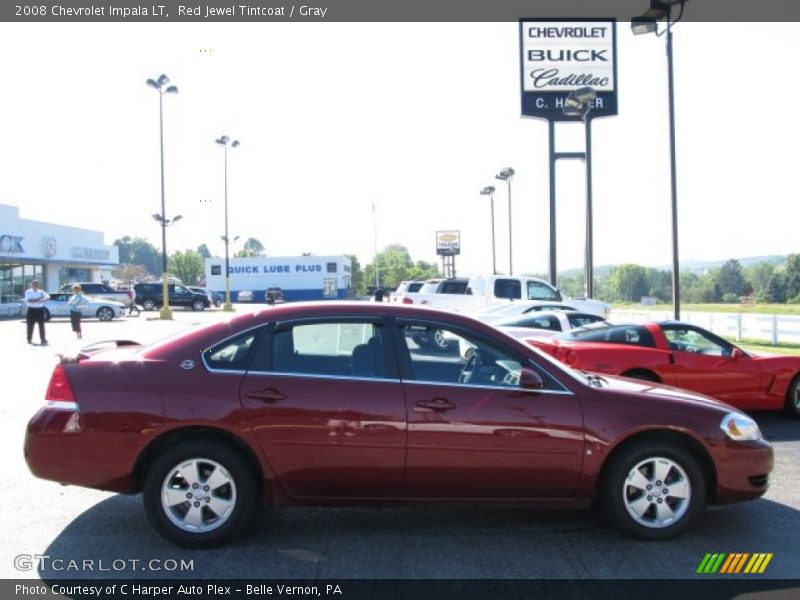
column 495, row 289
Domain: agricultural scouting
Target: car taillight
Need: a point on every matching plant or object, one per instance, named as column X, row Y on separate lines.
column 408, row 301
column 59, row 391
column 130, row 294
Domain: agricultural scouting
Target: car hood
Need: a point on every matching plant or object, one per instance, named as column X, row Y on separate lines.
column 660, row 391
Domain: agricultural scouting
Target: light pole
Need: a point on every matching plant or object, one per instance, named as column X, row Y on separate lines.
column 489, row 191
column 160, row 85
column 223, row 141
column 579, row 104
column 648, row 23
column 507, row 175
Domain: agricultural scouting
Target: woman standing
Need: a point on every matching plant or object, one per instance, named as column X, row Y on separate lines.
column 75, row 303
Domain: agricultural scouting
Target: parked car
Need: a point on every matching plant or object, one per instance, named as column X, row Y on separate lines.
column 214, row 298
column 333, row 402
column 685, row 356
column 406, row 287
column 538, row 324
column 101, row 291
column 273, row 295
column 501, row 312
column 105, row 310
column 244, row 296
column 150, row 296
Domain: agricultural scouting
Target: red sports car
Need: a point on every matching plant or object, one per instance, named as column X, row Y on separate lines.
column 685, row 356
column 334, row 403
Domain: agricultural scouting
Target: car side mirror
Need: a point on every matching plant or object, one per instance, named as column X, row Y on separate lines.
column 736, row 354
column 530, row 379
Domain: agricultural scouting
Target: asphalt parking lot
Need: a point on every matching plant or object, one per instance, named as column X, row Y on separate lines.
column 44, row 518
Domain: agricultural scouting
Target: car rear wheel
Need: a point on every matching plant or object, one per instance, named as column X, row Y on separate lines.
column 654, row 490
column 104, row 313
column 198, row 305
column 200, row 494
column 149, row 304
column 793, row 398
column 47, row 315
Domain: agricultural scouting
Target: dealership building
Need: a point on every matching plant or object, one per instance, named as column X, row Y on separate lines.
column 53, row 254
column 300, row 277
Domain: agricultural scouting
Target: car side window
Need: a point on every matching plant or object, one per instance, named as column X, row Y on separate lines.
column 539, row 291
column 684, row 339
column 618, row 334
column 333, row 348
column 507, row 288
column 581, row 320
column 449, row 356
column 232, row 354
column 548, row 322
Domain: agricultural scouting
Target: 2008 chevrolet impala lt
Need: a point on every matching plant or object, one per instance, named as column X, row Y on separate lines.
column 335, row 404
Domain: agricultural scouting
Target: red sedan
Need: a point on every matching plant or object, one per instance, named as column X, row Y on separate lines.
column 335, row 403
column 685, row 356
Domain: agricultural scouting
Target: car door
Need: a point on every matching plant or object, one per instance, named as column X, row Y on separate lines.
column 180, row 296
column 706, row 363
column 474, row 433
column 328, row 409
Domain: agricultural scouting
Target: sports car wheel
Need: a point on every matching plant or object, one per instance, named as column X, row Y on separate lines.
column 104, row 313
column 149, row 304
column 200, row 494
column 654, row 490
column 793, row 398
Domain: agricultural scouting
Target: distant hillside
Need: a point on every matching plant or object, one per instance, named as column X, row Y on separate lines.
column 686, row 265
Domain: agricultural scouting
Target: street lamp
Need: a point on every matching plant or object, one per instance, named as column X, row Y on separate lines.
column 506, row 175
column 223, row 141
column 579, row 104
column 160, row 85
column 648, row 23
column 489, row 191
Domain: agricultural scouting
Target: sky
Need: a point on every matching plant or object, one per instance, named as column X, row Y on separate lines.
column 415, row 118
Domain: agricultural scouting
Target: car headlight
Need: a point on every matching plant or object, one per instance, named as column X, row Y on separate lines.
column 740, row 428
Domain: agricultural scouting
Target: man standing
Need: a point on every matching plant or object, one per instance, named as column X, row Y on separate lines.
column 35, row 299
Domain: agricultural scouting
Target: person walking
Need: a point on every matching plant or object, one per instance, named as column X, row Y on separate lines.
column 35, row 299
column 75, row 303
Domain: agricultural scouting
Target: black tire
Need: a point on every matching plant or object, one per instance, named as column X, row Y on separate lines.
column 245, row 493
column 198, row 305
column 793, row 398
column 149, row 304
column 616, row 492
column 104, row 313
column 217, row 303
column 438, row 341
column 642, row 375
column 47, row 315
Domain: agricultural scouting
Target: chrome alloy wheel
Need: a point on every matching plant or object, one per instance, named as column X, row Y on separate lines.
column 657, row 492
column 198, row 495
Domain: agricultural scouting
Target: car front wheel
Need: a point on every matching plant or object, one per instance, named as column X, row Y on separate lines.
column 149, row 304
column 200, row 494
column 104, row 313
column 793, row 398
column 198, row 305
column 654, row 490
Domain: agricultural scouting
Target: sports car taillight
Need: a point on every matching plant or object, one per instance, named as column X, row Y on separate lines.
column 59, row 391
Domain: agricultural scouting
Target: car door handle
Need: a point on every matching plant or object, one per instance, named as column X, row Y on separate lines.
column 436, row 404
column 267, row 395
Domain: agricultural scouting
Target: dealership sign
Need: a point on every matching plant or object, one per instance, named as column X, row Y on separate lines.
column 560, row 56
column 448, row 243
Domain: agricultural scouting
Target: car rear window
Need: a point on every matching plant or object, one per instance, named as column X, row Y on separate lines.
column 635, row 335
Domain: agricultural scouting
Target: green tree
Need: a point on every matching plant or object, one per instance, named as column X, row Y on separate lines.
column 203, row 251
column 791, row 276
column 659, row 284
column 187, row 266
column 730, row 278
column 758, row 276
column 252, row 247
column 138, row 251
column 129, row 273
column 776, row 290
column 629, row 282
column 357, row 283
column 395, row 265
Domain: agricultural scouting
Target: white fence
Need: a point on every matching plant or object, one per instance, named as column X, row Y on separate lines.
column 772, row 328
